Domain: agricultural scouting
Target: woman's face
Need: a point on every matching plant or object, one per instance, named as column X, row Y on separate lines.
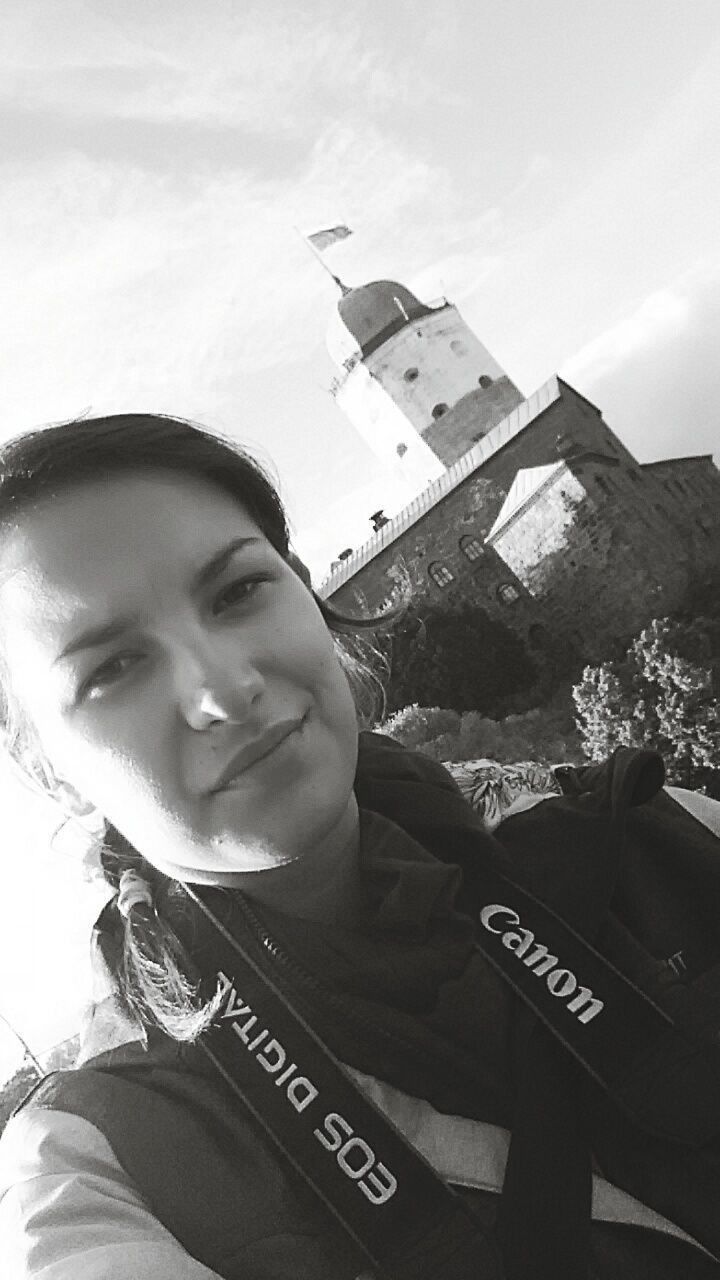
column 143, row 721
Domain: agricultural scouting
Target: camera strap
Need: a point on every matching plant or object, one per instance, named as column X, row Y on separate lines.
column 664, row 1076
column 406, row 1220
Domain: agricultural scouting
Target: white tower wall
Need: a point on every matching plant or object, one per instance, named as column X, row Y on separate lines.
column 387, row 429
column 449, row 360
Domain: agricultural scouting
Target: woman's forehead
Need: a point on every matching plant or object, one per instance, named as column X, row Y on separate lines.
column 93, row 536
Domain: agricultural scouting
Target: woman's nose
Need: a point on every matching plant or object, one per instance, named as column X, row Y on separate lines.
column 212, row 691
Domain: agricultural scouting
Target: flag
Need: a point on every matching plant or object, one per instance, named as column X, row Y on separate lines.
column 323, row 239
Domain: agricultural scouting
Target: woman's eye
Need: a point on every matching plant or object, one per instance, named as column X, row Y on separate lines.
column 106, row 674
column 115, row 668
column 238, row 591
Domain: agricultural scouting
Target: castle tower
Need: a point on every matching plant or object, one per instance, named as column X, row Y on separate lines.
column 415, row 381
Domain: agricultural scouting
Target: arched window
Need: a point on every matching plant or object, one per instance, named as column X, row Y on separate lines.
column 458, row 347
column 412, row 374
column 471, row 548
column 439, row 409
column 440, row 574
column 485, row 381
column 507, row 593
column 401, row 449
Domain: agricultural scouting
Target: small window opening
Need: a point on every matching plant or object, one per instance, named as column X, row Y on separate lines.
column 472, row 549
column 440, row 574
column 439, row 409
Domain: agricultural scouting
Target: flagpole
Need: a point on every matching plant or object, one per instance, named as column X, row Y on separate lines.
column 318, row 256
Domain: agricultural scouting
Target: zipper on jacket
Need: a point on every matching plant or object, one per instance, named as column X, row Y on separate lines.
column 356, row 1022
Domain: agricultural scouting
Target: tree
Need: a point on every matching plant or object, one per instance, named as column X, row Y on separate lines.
column 15, row 1089
column 661, row 695
column 460, row 659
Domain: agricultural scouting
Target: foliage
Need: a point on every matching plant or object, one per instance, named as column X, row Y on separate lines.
column 544, row 734
column 461, row 659
column 14, row 1090
column 63, row 1055
column 661, row 695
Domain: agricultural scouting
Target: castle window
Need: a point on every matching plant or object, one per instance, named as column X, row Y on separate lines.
column 485, row 381
column 634, row 475
column 471, row 548
column 440, row 574
column 411, row 375
column 458, row 347
column 439, row 409
column 401, row 449
column 507, row 593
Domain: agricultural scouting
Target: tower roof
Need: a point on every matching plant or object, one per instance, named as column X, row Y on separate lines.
column 369, row 315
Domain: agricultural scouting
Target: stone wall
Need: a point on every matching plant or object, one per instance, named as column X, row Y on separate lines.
column 452, row 434
column 587, row 548
column 591, row 560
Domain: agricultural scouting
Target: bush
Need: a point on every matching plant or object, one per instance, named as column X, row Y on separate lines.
column 661, row 695
column 544, row 734
column 460, row 659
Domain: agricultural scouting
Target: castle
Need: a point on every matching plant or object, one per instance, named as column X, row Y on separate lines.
column 531, row 509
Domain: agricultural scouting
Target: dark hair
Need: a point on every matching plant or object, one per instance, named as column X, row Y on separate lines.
column 156, row 982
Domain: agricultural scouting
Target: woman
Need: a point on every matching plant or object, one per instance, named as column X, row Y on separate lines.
column 167, row 667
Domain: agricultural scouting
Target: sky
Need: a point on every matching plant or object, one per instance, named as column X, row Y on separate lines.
column 553, row 169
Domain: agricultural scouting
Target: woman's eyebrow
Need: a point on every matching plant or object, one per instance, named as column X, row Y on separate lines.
column 103, row 632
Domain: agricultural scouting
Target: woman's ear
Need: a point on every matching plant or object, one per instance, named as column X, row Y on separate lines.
column 300, row 569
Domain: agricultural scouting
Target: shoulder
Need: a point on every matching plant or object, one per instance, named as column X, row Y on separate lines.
column 42, row 1142
column 68, row 1210
column 702, row 807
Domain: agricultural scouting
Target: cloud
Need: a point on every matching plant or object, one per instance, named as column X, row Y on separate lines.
column 125, row 283
column 655, row 374
column 255, row 67
column 664, row 315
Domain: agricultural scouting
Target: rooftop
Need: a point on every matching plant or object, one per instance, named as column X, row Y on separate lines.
column 369, row 315
column 511, row 426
